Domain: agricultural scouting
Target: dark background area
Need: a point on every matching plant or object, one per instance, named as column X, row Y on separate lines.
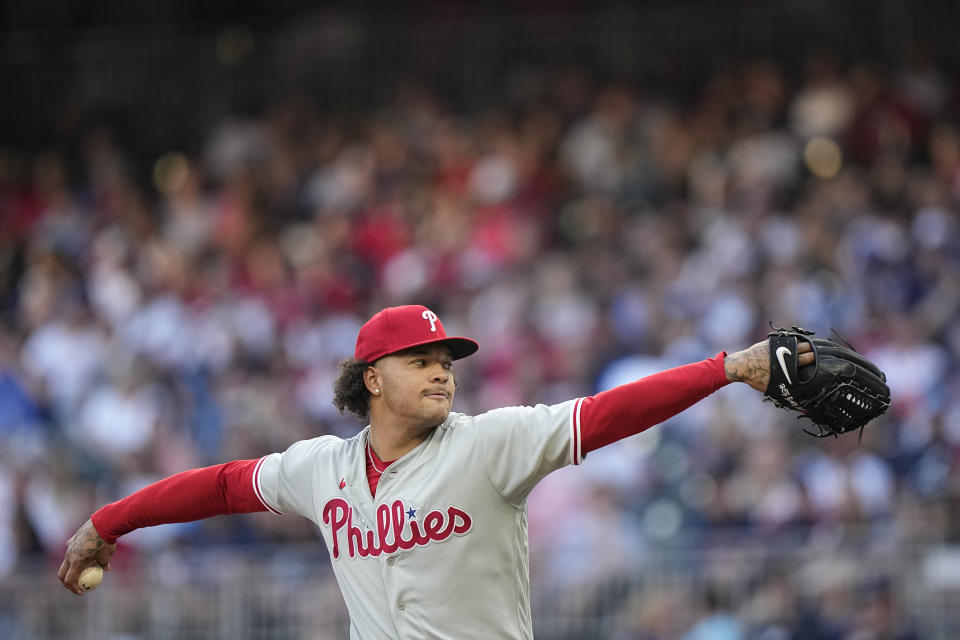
column 162, row 72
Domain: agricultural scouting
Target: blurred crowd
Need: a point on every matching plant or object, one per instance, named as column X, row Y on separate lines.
column 585, row 233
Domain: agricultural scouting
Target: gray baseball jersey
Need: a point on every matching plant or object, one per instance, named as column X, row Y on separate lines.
column 441, row 552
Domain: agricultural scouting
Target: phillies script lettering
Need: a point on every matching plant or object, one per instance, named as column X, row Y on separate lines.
column 389, row 537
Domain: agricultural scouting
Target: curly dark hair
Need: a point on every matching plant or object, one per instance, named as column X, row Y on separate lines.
column 349, row 391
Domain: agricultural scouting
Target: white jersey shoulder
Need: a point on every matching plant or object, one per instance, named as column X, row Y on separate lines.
column 521, row 445
column 280, row 479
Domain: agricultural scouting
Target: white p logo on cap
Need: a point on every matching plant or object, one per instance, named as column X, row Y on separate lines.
column 432, row 317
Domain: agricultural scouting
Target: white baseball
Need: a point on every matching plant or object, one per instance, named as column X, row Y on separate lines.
column 90, row 577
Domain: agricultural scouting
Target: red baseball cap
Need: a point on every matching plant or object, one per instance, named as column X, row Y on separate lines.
column 398, row 328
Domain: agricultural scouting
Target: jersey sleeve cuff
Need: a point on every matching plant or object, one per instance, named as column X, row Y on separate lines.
column 258, row 487
column 576, row 445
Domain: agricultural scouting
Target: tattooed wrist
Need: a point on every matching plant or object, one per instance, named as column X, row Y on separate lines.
column 750, row 365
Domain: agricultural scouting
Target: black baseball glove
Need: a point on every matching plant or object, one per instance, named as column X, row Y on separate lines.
column 840, row 392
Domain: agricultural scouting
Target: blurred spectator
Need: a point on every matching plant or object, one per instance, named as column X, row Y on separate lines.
column 717, row 622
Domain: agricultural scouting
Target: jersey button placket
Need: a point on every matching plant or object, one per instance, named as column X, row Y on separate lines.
column 402, row 606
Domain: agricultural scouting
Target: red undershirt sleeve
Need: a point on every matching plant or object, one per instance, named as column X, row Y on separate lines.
column 631, row 408
column 191, row 495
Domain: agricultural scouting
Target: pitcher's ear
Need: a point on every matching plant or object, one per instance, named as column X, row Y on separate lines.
column 371, row 379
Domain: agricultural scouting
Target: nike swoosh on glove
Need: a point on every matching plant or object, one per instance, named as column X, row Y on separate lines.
column 840, row 392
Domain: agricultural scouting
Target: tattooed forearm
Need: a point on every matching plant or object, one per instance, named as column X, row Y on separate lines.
column 750, row 365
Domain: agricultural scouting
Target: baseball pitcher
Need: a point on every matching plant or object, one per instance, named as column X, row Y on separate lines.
column 424, row 510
